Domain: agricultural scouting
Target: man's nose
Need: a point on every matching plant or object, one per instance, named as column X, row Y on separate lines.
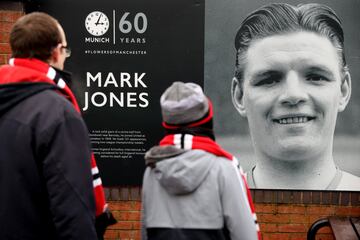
column 294, row 90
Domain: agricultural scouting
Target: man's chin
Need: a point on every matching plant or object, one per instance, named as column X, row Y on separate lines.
column 297, row 149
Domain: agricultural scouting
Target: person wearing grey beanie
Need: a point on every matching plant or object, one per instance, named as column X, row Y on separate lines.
column 192, row 188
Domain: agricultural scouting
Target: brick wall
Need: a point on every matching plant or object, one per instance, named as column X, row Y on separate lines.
column 9, row 13
column 125, row 203
column 283, row 215
column 287, row 215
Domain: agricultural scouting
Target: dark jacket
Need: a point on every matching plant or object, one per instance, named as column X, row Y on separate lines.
column 45, row 174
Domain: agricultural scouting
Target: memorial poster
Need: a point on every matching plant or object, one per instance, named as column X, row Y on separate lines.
column 124, row 55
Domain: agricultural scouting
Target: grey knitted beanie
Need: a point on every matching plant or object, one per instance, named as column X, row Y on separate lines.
column 183, row 103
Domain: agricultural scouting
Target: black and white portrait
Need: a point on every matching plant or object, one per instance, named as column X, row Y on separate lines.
column 284, row 80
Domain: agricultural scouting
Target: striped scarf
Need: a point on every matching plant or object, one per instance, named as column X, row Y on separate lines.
column 37, row 71
column 188, row 142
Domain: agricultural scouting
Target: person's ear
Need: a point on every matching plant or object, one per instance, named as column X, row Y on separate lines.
column 55, row 54
column 237, row 96
column 345, row 89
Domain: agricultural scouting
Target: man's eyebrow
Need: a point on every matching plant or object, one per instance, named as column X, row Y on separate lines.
column 322, row 69
column 266, row 73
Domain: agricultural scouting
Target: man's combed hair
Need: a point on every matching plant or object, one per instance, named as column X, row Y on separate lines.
column 35, row 35
column 282, row 18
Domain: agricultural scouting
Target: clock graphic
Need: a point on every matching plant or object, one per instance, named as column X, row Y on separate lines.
column 97, row 23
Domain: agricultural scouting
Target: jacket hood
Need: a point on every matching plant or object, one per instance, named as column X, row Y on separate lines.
column 179, row 171
column 13, row 90
column 12, row 94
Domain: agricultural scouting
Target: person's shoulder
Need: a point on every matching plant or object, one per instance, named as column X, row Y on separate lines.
column 49, row 110
column 349, row 182
column 225, row 165
column 54, row 102
column 54, row 97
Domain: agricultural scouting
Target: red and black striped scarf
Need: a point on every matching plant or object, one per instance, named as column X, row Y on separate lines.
column 36, row 71
column 183, row 140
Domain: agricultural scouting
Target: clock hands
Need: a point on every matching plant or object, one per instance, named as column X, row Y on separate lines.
column 98, row 21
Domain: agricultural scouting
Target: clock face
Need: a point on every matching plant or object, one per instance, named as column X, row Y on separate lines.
column 97, row 23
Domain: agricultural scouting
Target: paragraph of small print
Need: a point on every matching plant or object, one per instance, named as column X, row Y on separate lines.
column 118, row 144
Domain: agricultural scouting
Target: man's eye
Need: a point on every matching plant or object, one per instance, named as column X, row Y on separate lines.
column 269, row 81
column 316, row 78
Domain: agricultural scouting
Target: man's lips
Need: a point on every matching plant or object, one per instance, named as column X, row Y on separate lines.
column 293, row 119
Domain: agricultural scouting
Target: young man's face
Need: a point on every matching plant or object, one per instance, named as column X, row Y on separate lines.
column 293, row 90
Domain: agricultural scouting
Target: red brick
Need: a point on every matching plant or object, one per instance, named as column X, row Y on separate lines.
column 130, row 235
column 320, row 210
column 298, row 236
column 5, row 26
column 276, row 236
column 291, row 209
column 122, row 225
column 121, row 206
column 347, row 211
column 294, row 228
column 7, row 57
column 268, row 227
column 273, row 218
column 265, row 208
column 137, row 205
column 111, row 234
column 117, row 214
column 10, row 16
column 136, row 225
column 3, row 59
column 299, row 218
column 313, row 218
column 129, row 216
column 126, row 235
column 138, row 235
column 4, row 37
column 5, row 48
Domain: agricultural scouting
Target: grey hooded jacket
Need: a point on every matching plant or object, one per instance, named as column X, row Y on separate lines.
column 194, row 194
